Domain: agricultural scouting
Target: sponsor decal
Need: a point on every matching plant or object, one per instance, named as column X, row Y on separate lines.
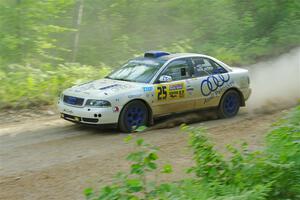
column 176, row 87
column 218, row 92
column 190, row 89
column 116, row 109
column 170, row 91
column 148, row 89
column 213, row 82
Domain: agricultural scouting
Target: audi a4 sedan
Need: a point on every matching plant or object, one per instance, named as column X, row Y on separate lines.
column 156, row 84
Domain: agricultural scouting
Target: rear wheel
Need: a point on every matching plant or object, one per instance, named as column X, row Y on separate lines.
column 230, row 104
column 133, row 115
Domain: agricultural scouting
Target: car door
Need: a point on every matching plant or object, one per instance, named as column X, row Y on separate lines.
column 172, row 96
column 210, row 81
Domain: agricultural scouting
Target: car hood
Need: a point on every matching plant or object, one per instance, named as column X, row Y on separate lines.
column 103, row 88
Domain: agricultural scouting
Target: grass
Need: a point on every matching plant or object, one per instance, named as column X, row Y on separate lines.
column 26, row 85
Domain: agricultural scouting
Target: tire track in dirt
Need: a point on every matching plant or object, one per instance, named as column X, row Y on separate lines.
column 60, row 166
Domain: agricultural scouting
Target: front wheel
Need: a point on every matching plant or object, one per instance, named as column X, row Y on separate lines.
column 133, row 115
column 229, row 105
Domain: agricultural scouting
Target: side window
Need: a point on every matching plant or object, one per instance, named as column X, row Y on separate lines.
column 178, row 70
column 206, row 67
column 218, row 69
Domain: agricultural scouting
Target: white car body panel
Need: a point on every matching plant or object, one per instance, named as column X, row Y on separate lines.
column 182, row 95
column 118, row 93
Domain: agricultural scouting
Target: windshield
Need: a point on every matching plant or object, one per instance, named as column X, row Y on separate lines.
column 137, row 71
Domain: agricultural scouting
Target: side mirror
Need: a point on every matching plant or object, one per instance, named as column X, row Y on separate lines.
column 165, row 78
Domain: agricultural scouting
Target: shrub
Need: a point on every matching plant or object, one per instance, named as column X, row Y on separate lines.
column 272, row 173
column 25, row 85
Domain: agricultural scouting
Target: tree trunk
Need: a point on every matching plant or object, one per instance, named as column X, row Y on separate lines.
column 77, row 26
column 18, row 32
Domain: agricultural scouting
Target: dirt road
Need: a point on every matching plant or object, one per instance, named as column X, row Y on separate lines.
column 44, row 157
column 53, row 159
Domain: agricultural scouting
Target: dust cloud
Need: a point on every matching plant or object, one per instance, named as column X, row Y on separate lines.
column 275, row 83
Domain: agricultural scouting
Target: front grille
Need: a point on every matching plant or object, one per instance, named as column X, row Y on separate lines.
column 90, row 120
column 70, row 117
column 78, row 119
column 73, row 100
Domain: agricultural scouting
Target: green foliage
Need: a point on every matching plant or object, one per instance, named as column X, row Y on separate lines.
column 283, row 150
column 27, row 29
column 273, row 173
column 114, row 30
column 209, row 163
column 33, row 33
column 232, row 30
column 133, row 185
column 140, row 129
column 23, row 86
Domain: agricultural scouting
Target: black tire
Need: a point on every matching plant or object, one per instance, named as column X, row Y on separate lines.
column 230, row 104
column 133, row 115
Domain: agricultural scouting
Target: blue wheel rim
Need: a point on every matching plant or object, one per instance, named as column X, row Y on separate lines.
column 135, row 116
column 231, row 104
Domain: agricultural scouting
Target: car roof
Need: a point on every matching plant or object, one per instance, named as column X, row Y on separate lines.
column 179, row 55
column 171, row 56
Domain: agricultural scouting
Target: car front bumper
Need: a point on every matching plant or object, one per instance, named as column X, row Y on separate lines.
column 88, row 115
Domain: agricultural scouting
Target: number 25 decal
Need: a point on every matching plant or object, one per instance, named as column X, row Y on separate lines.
column 162, row 93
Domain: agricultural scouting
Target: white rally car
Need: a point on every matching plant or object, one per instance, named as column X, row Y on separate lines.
column 159, row 83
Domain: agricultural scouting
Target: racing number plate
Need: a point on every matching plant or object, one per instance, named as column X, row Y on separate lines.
column 170, row 91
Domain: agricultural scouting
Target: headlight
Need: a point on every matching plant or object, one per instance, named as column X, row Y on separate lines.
column 97, row 103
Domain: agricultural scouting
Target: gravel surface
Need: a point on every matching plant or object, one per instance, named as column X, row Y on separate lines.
column 49, row 158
